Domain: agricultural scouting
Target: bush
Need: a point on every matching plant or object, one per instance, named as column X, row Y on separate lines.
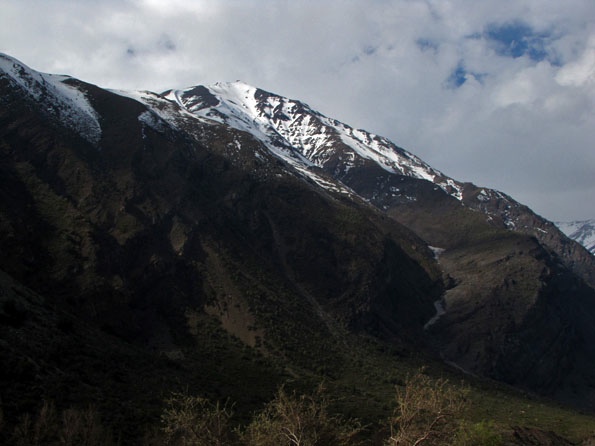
column 427, row 412
column 195, row 421
column 291, row 420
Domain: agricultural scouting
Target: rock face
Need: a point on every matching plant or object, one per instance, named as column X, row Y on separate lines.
column 209, row 225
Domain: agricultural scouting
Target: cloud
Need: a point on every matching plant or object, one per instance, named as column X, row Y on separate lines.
column 581, row 72
column 496, row 92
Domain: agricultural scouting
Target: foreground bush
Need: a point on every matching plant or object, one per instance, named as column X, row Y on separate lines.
column 291, row 420
column 195, row 421
column 428, row 412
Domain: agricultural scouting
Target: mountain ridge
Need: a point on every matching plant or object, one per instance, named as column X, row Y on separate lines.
column 291, row 124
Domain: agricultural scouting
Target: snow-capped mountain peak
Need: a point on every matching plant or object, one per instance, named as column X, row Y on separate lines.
column 298, row 134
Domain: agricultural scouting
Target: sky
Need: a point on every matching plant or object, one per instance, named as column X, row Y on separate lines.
column 496, row 92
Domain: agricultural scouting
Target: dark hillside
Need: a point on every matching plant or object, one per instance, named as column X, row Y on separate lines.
column 153, row 261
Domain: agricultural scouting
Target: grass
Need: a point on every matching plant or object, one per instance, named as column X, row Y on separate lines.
column 509, row 408
column 367, row 386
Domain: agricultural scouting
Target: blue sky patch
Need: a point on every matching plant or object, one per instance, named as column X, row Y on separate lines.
column 518, row 39
column 459, row 76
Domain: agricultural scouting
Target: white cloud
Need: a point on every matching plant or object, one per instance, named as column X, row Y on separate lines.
column 524, row 124
column 582, row 71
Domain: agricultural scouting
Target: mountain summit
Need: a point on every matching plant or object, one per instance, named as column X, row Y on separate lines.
column 302, row 136
column 228, row 240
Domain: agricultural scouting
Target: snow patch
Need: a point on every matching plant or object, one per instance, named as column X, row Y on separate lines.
column 152, row 120
column 65, row 102
column 437, row 251
column 483, row 196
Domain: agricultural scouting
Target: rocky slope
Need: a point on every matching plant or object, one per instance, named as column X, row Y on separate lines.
column 233, row 236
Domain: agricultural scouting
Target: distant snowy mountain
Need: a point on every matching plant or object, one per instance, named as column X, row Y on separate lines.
column 582, row 231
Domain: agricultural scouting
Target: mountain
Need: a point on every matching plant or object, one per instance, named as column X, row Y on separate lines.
column 144, row 256
column 468, row 225
column 370, row 165
column 227, row 241
column 453, row 217
column 581, row 231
